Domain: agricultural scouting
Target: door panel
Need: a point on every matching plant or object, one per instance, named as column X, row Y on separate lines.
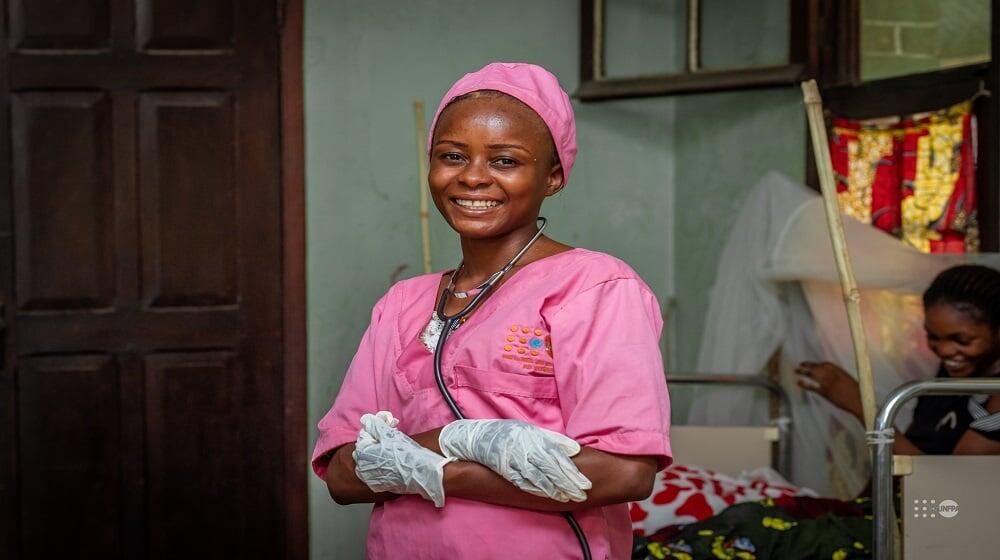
column 69, row 433
column 61, row 148
column 143, row 404
column 193, row 403
column 181, row 25
column 82, row 24
column 189, row 199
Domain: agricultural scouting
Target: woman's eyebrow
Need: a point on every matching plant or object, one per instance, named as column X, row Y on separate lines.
column 490, row 146
column 508, row 146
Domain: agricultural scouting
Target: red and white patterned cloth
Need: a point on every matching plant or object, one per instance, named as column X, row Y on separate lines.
column 686, row 494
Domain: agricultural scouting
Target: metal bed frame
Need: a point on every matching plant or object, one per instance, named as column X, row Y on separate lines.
column 882, row 438
column 781, row 451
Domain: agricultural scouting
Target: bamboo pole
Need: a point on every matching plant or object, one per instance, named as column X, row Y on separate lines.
column 694, row 36
column 425, row 235
column 852, row 297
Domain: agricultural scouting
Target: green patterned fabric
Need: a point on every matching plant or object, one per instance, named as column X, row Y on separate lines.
column 765, row 530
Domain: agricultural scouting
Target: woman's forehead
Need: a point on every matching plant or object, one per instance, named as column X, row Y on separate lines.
column 954, row 316
column 499, row 114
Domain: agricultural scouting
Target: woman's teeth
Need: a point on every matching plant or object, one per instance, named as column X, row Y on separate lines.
column 476, row 204
column 954, row 364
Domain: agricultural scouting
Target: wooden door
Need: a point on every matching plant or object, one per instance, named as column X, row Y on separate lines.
column 141, row 398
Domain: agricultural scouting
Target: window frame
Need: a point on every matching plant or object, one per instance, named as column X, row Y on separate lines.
column 845, row 94
column 803, row 59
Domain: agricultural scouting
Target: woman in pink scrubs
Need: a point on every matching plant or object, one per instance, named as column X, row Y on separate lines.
column 567, row 342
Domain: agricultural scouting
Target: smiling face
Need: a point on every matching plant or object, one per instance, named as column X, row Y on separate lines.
column 492, row 165
column 967, row 347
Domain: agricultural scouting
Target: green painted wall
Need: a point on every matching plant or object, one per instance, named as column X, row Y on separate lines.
column 649, row 172
column 724, row 143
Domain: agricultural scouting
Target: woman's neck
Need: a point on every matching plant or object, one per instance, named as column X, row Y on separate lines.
column 483, row 257
column 994, row 369
column 989, row 367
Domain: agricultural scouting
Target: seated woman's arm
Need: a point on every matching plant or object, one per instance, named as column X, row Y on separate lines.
column 975, row 443
column 835, row 385
column 615, row 479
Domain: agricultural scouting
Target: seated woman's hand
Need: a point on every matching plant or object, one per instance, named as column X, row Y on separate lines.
column 534, row 459
column 831, row 382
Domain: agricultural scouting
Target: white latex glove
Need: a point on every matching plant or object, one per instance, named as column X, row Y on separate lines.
column 534, row 459
column 388, row 460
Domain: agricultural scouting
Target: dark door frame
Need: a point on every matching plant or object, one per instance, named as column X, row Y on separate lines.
column 294, row 278
column 293, row 508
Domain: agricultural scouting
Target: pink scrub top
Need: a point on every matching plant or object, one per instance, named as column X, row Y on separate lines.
column 568, row 343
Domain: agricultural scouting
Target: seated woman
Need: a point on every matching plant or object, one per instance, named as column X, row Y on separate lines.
column 962, row 320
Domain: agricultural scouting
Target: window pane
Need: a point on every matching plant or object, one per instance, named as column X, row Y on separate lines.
column 744, row 33
column 643, row 37
column 909, row 36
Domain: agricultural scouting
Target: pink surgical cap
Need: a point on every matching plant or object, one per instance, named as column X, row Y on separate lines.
column 533, row 85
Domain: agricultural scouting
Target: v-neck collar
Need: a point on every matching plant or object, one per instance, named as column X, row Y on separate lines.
column 457, row 339
column 445, row 273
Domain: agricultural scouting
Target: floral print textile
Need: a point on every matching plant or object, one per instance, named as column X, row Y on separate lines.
column 912, row 177
column 786, row 528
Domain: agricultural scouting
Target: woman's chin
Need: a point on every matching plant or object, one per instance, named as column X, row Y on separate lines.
column 475, row 232
column 475, row 227
column 961, row 371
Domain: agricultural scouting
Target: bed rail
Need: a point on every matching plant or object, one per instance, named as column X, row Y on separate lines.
column 883, row 436
column 783, row 422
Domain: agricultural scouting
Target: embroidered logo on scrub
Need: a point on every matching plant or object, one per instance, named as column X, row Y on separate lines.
column 531, row 347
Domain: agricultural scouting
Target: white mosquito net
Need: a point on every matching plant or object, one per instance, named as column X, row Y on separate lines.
column 777, row 290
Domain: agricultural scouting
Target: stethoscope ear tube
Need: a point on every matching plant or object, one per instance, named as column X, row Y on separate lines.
column 450, row 323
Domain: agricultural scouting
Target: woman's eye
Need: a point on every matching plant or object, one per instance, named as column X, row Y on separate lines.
column 451, row 156
column 505, row 162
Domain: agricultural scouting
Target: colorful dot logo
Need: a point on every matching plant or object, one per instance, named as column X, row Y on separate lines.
column 526, row 346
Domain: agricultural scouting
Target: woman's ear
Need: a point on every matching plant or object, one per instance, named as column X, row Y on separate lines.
column 555, row 180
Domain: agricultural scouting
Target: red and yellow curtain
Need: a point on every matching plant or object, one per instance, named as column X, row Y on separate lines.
column 913, row 178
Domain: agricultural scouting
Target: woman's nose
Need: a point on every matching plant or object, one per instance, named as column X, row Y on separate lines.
column 476, row 174
column 944, row 349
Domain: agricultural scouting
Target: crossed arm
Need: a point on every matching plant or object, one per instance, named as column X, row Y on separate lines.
column 615, row 479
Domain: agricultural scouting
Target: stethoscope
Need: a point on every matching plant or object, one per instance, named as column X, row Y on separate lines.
column 451, row 322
